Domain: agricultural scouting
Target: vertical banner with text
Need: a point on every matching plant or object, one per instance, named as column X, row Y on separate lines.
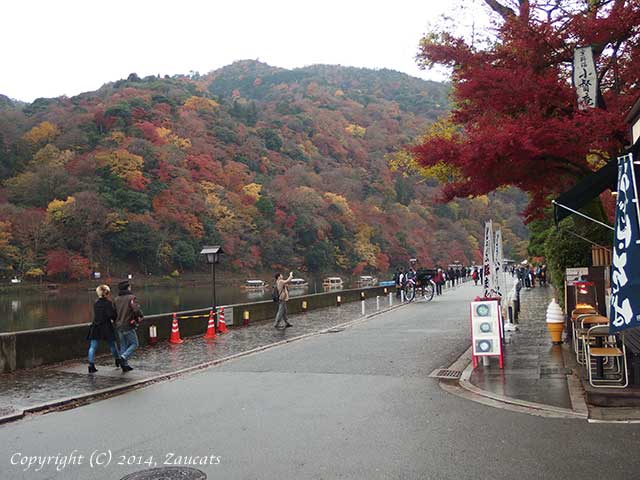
column 488, row 265
column 585, row 79
column 497, row 259
column 625, row 271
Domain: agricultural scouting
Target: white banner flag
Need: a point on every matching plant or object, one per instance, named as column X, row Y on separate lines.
column 585, row 79
column 488, row 266
column 497, row 261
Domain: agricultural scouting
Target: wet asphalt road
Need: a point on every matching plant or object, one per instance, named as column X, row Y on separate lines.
column 357, row 404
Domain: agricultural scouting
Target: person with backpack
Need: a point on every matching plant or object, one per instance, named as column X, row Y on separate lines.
column 281, row 295
column 104, row 313
column 129, row 315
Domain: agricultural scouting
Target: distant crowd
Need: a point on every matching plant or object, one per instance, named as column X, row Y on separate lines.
column 449, row 277
column 528, row 275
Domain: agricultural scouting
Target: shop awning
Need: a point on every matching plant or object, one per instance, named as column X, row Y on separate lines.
column 586, row 190
column 590, row 187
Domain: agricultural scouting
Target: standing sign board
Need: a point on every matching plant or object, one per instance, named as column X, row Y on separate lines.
column 575, row 274
column 625, row 276
column 486, row 331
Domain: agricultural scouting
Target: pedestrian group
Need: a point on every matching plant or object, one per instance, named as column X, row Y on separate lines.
column 115, row 319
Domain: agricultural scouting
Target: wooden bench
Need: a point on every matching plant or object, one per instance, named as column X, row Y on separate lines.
column 632, row 343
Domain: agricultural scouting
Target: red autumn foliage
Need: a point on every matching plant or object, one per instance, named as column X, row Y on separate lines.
column 104, row 123
column 150, row 132
column 519, row 123
column 61, row 263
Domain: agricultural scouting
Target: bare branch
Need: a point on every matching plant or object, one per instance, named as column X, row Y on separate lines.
column 504, row 11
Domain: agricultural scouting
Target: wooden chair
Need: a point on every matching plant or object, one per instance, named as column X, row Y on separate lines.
column 619, row 377
column 581, row 325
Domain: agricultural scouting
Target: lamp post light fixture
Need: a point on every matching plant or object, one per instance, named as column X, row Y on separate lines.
column 213, row 254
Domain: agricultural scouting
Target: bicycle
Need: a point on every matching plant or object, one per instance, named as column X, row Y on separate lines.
column 422, row 282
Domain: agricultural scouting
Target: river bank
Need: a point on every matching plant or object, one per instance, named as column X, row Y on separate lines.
column 138, row 280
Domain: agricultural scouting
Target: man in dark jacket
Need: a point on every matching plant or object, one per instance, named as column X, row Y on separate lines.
column 129, row 315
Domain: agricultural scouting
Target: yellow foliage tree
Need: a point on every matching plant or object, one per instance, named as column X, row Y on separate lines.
column 117, row 137
column 8, row 252
column 43, row 132
column 164, row 255
column 403, row 161
column 355, row 130
column 340, row 202
column 34, row 273
column 201, row 104
column 51, row 156
column 362, row 246
column 56, row 207
column 219, row 211
column 169, row 137
column 252, row 190
column 115, row 223
column 121, row 163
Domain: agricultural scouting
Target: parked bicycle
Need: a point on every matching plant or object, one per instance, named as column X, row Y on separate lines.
column 422, row 285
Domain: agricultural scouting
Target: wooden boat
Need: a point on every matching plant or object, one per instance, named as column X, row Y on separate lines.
column 298, row 283
column 367, row 281
column 254, row 285
column 332, row 282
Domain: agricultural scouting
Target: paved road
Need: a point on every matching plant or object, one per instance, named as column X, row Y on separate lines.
column 355, row 405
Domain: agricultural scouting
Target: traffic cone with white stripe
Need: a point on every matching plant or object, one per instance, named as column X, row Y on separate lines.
column 211, row 327
column 175, row 331
column 222, row 325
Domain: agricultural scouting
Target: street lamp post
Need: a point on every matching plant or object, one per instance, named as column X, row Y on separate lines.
column 212, row 254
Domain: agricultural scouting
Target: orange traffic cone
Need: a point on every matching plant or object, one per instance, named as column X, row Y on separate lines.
column 211, row 327
column 222, row 325
column 175, row 331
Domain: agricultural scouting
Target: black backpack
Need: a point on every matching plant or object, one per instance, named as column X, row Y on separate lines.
column 275, row 294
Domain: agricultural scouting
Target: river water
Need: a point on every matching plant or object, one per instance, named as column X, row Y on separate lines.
column 24, row 310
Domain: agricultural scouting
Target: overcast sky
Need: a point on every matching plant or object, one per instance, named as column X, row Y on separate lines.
column 64, row 47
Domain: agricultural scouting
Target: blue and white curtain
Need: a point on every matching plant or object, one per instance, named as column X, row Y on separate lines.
column 625, row 271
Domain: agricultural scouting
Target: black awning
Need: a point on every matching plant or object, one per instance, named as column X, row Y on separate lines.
column 586, row 190
column 591, row 186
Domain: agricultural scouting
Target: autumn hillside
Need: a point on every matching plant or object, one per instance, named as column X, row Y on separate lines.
column 282, row 167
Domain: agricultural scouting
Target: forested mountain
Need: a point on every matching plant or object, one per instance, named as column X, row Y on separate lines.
column 281, row 167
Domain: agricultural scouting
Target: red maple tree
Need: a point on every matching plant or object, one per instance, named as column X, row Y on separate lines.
column 516, row 114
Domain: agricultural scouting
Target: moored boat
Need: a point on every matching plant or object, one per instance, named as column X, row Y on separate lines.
column 298, row 283
column 332, row 282
column 366, row 281
column 254, row 285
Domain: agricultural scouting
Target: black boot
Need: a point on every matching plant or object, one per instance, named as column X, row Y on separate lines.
column 118, row 362
column 125, row 366
column 92, row 368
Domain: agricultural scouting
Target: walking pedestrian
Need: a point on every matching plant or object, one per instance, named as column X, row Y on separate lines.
column 129, row 315
column 399, row 280
column 452, row 277
column 438, row 279
column 104, row 313
column 474, row 276
column 283, row 296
